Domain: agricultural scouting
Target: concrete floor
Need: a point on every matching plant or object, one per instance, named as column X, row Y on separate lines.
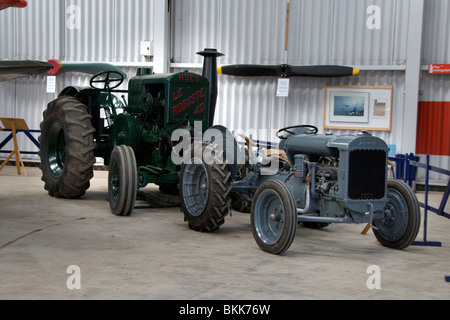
column 153, row 254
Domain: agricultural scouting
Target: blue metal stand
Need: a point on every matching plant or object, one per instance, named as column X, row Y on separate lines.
column 27, row 133
column 426, row 207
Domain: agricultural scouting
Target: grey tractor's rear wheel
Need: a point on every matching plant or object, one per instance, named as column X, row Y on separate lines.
column 122, row 181
column 401, row 224
column 67, row 148
column 205, row 185
column 274, row 217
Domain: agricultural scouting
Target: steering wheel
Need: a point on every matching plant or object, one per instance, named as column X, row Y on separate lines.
column 106, row 78
column 313, row 130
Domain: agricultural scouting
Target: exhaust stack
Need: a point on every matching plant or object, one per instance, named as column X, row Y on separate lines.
column 210, row 72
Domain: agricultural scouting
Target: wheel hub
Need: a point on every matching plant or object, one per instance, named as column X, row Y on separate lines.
column 195, row 187
column 57, row 149
column 276, row 217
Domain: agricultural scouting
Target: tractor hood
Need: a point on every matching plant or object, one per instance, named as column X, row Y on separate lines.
column 328, row 145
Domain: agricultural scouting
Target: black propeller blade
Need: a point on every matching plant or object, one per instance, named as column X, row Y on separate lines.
column 251, row 70
column 287, row 71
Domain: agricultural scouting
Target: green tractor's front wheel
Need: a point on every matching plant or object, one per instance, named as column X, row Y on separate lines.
column 205, row 185
column 122, row 181
column 67, row 148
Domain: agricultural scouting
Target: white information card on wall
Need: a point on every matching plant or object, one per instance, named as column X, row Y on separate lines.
column 283, row 88
column 51, row 84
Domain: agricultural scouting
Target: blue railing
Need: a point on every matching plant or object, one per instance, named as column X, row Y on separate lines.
column 28, row 133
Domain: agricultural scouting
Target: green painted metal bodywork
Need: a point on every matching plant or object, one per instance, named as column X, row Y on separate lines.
column 184, row 96
column 157, row 106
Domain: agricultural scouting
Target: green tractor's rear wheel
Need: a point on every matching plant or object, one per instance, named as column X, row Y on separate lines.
column 67, row 148
column 205, row 185
column 274, row 217
column 122, row 181
column 400, row 227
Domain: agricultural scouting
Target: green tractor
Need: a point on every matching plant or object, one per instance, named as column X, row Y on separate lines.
column 135, row 140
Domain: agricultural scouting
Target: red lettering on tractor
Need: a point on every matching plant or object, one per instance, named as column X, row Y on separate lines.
column 189, row 77
column 177, row 95
column 200, row 109
column 188, row 102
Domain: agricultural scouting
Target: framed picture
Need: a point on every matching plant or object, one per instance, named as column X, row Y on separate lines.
column 349, row 107
column 358, row 107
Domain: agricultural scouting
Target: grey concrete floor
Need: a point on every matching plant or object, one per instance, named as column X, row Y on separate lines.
column 154, row 255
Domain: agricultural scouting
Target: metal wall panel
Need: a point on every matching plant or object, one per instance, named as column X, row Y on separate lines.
column 355, row 43
column 436, row 49
column 133, row 24
column 250, row 31
column 320, row 32
column 328, row 31
column 31, row 33
column 311, row 32
column 94, row 40
column 8, row 30
column 109, row 30
column 435, row 88
column 436, row 42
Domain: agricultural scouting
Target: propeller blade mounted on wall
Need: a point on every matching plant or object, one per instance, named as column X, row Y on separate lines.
column 287, row 71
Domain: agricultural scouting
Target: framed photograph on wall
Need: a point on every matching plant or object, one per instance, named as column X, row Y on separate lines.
column 358, row 107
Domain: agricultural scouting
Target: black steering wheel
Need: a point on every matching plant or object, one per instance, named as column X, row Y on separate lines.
column 106, row 78
column 313, row 130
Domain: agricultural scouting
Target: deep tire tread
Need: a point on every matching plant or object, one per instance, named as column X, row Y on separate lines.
column 219, row 202
column 80, row 145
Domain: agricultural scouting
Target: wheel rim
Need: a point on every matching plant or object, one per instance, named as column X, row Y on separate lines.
column 271, row 217
column 115, row 182
column 57, row 149
column 195, row 187
column 395, row 224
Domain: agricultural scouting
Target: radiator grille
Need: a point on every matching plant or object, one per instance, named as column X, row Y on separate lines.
column 367, row 174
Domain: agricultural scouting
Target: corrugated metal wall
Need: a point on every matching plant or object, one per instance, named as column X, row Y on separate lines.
column 110, row 31
column 436, row 49
column 248, row 31
column 335, row 32
column 320, row 32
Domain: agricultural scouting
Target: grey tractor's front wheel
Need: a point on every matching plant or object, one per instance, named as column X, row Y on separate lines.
column 67, row 148
column 205, row 185
column 122, row 181
column 274, row 217
column 401, row 223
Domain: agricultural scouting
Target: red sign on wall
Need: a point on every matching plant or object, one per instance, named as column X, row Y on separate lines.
column 439, row 69
column 433, row 128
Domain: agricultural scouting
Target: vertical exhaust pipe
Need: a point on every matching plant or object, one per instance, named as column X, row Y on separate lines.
column 210, row 72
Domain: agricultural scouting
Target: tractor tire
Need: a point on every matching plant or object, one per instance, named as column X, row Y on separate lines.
column 400, row 227
column 205, row 187
column 67, row 148
column 274, row 217
column 122, row 181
